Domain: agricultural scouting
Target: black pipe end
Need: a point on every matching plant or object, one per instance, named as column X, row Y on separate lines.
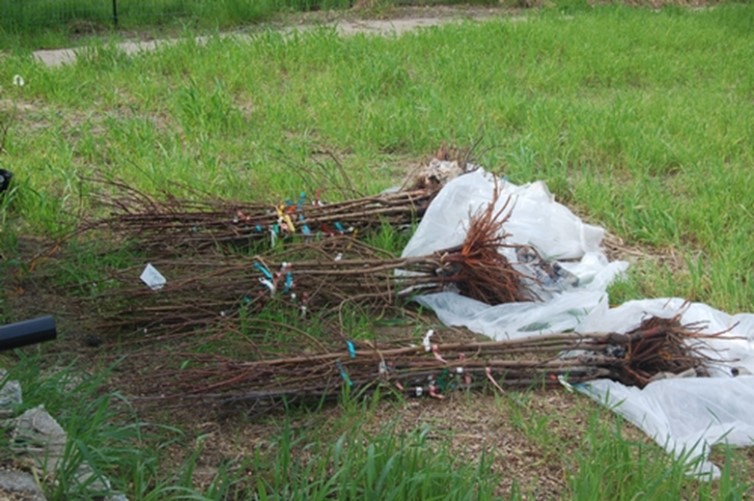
column 27, row 332
column 5, row 177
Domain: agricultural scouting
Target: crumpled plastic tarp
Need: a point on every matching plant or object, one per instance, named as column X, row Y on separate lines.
column 684, row 415
column 535, row 220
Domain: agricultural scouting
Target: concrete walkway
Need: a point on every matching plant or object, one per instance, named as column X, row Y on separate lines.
column 58, row 57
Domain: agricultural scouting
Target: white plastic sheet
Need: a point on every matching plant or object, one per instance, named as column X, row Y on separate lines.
column 535, row 220
column 686, row 416
column 514, row 320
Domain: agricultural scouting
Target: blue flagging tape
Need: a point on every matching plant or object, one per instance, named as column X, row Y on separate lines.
column 343, row 373
column 264, row 270
column 351, row 349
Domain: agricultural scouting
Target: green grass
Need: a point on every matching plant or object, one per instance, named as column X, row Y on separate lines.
column 61, row 23
column 354, row 453
column 389, row 466
column 610, row 466
column 361, row 450
column 101, row 428
column 638, row 119
column 41, row 15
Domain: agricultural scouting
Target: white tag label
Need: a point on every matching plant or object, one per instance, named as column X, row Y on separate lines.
column 426, row 342
column 153, row 278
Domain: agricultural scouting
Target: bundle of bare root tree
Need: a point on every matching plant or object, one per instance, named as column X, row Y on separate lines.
column 168, row 225
column 322, row 274
column 658, row 346
column 174, row 224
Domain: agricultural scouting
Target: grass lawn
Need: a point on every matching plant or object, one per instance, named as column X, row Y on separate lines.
column 62, row 23
column 640, row 120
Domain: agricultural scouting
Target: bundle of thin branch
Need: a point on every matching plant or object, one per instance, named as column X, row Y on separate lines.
column 165, row 225
column 656, row 346
column 316, row 275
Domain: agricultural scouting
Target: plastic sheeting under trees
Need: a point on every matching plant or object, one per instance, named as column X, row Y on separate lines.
column 684, row 415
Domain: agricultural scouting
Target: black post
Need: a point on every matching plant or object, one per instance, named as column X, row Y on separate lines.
column 115, row 13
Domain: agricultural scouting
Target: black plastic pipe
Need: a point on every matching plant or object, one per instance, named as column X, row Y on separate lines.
column 5, row 177
column 27, row 332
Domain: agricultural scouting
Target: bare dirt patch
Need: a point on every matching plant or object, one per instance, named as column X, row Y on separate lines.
column 528, row 438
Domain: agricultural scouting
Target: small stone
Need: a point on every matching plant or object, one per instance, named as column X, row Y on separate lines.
column 20, row 485
column 204, row 475
column 10, row 395
column 39, row 436
column 86, row 477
